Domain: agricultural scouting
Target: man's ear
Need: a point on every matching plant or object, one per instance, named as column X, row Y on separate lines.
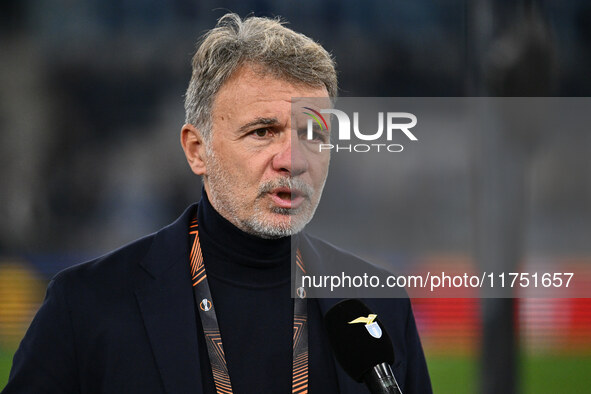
column 194, row 147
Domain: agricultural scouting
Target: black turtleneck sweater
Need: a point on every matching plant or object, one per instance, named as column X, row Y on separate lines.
column 249, row 278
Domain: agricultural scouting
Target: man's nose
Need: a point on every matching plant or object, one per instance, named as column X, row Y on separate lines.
column 291, row 158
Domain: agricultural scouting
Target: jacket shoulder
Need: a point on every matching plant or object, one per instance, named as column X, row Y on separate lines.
column 108, row 268
column 121, row 262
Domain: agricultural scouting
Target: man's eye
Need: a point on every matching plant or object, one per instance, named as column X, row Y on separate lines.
column 262, row 132
column 319, row 137
column 316, row 136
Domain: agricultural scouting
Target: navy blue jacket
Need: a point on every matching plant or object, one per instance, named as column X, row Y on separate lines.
column 126, row 323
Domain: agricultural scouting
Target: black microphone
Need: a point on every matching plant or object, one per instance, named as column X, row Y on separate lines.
column 362, row 346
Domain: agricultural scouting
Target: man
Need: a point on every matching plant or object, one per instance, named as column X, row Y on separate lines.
column 204, row 305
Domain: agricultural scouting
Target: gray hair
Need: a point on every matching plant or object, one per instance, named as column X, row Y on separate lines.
column 263, row 42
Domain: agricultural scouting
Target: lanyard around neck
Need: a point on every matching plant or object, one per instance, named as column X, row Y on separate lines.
column 211, row 329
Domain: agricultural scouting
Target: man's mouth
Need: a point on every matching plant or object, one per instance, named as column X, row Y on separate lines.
column 285, row 197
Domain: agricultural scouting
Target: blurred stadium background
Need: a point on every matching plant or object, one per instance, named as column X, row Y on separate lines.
column 91, row 107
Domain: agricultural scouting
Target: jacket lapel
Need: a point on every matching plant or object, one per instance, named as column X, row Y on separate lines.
column 165, row 297
column 318, row 265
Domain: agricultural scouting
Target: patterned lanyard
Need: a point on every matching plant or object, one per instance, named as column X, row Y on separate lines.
column 211, row 329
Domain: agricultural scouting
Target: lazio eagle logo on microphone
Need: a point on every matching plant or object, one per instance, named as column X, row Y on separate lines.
column 370, row 325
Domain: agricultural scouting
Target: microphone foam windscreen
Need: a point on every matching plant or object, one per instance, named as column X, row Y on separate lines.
column 357, row 346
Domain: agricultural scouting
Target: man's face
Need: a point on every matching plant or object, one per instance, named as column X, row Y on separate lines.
column 262, row 173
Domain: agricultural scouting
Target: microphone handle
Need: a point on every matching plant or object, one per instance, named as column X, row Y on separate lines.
column 381, row 380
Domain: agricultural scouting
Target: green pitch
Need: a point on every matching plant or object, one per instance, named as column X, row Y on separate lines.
column 5, row 363
column 538, row 374
column 459, row 374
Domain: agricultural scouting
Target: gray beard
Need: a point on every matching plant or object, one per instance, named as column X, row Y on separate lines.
column 226, row 204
